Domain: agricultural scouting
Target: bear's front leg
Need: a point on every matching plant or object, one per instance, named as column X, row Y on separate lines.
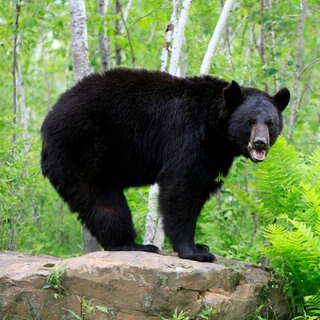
column 180, row 203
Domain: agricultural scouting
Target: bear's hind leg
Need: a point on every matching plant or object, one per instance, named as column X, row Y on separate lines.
column 108, row 218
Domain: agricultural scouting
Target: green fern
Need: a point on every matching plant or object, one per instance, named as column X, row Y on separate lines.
column 286, row 188
column 277, row 179
column 246, row 199
column 313, row 305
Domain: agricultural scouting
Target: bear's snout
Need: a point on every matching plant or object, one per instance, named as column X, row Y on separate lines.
column 259, row 143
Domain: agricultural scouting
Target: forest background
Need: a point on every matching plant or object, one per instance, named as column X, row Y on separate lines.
column 270, row 209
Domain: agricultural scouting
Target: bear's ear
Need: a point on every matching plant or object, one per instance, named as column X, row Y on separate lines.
column 282, row 98
column 232, row 95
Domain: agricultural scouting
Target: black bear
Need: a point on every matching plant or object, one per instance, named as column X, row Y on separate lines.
column 129, row 128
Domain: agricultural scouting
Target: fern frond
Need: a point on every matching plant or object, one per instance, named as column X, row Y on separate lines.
column 317, row 229
column 314, row 165
column 296, row 256
column 248, row 200
column 313, row 305
column 278, row 179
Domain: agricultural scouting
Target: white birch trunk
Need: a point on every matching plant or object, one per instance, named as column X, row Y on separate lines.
column 169, row 32
column 182, row 67
column 80, row 58
column 102, row 37
column 80, row 63
column 178, row 37
column 205, row 66
column 154, row 230
column 154, row 233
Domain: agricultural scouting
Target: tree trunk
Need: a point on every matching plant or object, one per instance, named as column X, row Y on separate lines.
column 118, row 32
column 169, row 32
column 272, row 45
column 22, row 104
column 14, row 66
column 178, row 37
column 205, row 66
column 80, row 60
column 20, row 112
column 154, row 233
column 45, row 71
column 80, row 63
column 294, row 101
column 103, row 38
column 263, row 40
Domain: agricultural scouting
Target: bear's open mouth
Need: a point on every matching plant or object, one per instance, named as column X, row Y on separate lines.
column 257, row 155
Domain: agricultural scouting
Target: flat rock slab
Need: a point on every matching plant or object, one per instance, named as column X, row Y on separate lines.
column 133, row 286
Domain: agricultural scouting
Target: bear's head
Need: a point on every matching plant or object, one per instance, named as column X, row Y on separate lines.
column 254, row 119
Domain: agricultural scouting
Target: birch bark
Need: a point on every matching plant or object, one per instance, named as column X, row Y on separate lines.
column 154, row 233
column 154, row 229
column 80, row 63
column 205, row 66
column 80, row 60
column 169, row 33
column 178, row 37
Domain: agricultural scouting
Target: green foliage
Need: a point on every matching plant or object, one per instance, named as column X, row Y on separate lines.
column 28, row 204
column 287, row 187
column 206, row 313
column 230, row 225
column 284, row 189
column 54, row 281
column 87, row 307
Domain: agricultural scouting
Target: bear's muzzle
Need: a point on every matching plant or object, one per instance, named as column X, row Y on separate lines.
column 259, row 143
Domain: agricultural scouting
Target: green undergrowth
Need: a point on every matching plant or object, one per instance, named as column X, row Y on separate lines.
column 285, row 194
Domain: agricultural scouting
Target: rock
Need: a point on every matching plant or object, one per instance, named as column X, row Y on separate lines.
column 133, row 286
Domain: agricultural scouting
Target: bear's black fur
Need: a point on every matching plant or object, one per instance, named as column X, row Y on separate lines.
column 129, row 128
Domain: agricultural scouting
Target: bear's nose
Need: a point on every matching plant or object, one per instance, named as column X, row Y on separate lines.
column 260, row 143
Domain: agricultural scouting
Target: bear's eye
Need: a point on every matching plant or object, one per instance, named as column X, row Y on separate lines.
column 269, row 123
column 250, row 122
